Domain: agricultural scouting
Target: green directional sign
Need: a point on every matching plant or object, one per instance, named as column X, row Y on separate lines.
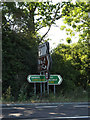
column 54, row 79
column 36, row 78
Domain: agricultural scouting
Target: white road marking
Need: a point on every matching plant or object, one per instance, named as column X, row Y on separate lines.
column 46, row 107
column 15, row 114
column 81, row 106
column 12, row 108
column 59, row 118
column 63, row 118
column 75, row 117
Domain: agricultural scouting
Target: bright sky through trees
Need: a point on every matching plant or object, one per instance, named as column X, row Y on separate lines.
column 56, row 35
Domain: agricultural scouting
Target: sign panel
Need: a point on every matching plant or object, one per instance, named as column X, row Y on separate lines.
column 43, row 63
column 43, row 49
column 36, row 78
column 54, row 79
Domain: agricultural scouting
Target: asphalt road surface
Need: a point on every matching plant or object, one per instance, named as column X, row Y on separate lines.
column 46, row 111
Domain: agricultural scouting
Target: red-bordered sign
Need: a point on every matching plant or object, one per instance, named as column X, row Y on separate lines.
column 43, row 63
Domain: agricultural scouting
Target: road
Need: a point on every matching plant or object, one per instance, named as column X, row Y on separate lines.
column 44, row 111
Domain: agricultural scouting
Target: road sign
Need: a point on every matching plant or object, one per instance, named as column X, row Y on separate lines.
column 36, row 78
column 43, row 49
column 55, row 80
column 44, row 63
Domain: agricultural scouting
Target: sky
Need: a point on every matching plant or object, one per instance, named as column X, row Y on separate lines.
column 56, row 35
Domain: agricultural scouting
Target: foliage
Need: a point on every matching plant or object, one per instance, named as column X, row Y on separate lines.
column 23, row 93
column 76, row 16
column 8, row 96
column 19, row 53
column 21, row 23
column 71, row 62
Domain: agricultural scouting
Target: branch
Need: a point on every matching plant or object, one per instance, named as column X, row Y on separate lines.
column 39, row 28
column 45, row 33
column 51, row 23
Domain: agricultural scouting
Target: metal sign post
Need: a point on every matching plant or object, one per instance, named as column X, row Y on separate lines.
column 44, row 84
column 35, row 88
column 44, row 66
column 44, row 61
column 41, row 86
column 44, row 88
column 54, row 90
column 47, row 78
column 47, row 88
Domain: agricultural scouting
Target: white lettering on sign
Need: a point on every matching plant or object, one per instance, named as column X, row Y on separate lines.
column 52, row 79
column 35, row 77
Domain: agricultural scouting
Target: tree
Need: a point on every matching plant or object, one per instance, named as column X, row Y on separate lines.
column 32, row 16
column 76, row 16
column 20, row 28
column 19, row 53
column 70, row 61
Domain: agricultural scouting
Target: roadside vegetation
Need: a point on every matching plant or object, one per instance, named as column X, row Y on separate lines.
column 79, row 95
column 21, row 23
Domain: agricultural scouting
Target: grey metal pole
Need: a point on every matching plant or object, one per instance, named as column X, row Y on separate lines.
column 41, row 86
column 54, row 90
column 47, row 88
column 35, row 88
column 44, row 84
column 44, row 88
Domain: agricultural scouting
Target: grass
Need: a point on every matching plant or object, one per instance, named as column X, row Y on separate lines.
column 51, row 98
column 78, row 95
column 60, row 98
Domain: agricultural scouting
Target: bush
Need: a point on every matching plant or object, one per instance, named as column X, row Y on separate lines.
column 8, row 96
column 23, row 93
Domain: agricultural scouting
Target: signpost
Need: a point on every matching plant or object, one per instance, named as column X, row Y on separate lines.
column 44, row 65
column 54, row 79
column 43, row 60
column 36, row 78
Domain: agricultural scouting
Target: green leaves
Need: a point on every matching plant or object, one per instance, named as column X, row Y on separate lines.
column 63, row 27
column 76, row 16
column 71, row 62
column 68, row 39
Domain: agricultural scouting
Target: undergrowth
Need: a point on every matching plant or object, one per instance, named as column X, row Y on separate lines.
column 78, row 95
